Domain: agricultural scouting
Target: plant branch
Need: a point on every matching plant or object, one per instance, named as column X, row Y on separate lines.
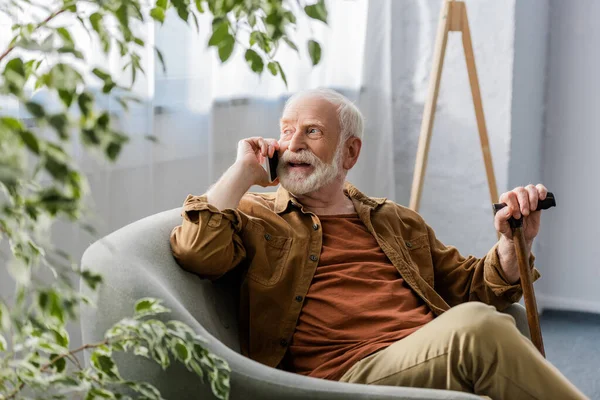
column 44, row 22
column 55, row 359
column 77, row 350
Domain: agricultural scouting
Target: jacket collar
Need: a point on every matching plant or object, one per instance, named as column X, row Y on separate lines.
column 283, row 198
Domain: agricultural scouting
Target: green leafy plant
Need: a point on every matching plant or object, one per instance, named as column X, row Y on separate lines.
column 40, row 182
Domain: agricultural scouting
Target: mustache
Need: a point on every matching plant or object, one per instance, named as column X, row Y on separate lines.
column 305, row 156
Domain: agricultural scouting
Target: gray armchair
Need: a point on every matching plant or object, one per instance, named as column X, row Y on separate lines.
column 136, row 262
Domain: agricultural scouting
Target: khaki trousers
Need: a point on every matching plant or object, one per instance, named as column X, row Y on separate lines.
column 470, row 348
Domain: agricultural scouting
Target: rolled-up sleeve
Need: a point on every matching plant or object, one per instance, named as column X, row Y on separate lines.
column 459, row 279
column 208, row 242
column 495, row 278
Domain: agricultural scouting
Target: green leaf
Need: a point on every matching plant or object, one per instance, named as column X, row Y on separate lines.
column 199, row 6
column 314, row 49
column 4, row 317
column 182, row 352
column 196, row 23
column 43, row 300
column 3, row 344
column 158, row 14
column 105, row 76
column 109, row 86
column 141, row 351
column 282, row 73
column 139, row 42
column 12, row 123
column 59, row 364
column 162, row 3
column 65, row 35
column 66, row 96
column 35, row 109
column 103, row 362
column 15, row 65
column 60, row 123
column 85, row 102
column 252, row 20
column 289, row 16
column 263, row 41
column 56, row 308
column 99, row 393
column 19, row 270
column 70, row 50
column 63, row 76
column 195, row 366
column 317, row 11
column 30, row 140
column 57, row 168
column 161, row 59
column 226, row 48
column 91, row 279
column 182, row 10
column 291, row 44
column 273, row 68
column 255, row 61
column 95, row 21
column 61, row 336
column 149, row 306
column 113, row 150
column 145, row 389
column 220, row 34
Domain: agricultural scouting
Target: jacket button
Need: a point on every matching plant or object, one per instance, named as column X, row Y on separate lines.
column 408, row 244
column 283, row 343
column 298, row 299
column 316, row 227
column 268, row 237
column 313, row 257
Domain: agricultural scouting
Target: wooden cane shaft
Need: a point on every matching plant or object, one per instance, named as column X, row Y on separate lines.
column 528, row 293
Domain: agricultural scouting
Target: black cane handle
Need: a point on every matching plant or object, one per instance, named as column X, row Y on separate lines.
column 549, row 201
column 545, row 204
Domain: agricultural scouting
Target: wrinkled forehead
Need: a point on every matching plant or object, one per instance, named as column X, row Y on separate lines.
column 311, row 107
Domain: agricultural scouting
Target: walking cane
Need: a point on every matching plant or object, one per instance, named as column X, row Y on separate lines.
column 516, row 226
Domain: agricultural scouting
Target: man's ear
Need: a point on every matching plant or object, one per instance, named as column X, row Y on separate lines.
column 351, row 152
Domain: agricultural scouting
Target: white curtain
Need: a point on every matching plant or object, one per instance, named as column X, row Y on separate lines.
column 199, row 109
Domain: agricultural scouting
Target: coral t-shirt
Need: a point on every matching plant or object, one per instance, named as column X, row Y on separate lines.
column 357, row 303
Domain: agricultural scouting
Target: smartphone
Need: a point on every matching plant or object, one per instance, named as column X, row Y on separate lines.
column 271, row 166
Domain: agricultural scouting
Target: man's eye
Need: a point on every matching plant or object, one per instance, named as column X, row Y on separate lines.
column 286, row 132
column 313, row 130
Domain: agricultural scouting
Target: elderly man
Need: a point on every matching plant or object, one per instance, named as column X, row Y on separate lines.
column 342, row 286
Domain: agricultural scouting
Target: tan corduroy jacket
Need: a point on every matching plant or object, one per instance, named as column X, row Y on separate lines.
column 276, row 244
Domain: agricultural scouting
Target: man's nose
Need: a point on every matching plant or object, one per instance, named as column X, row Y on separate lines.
column 297, row 142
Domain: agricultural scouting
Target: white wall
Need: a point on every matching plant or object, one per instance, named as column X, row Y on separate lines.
column 528, row 92
column 569, row 253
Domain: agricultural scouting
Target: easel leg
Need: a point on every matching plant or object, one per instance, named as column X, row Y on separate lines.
column 453, row 17
column 429, row 113
column 477, row 103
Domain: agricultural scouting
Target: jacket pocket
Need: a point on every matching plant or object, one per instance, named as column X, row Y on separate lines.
column 270, row 254
column 420, row 255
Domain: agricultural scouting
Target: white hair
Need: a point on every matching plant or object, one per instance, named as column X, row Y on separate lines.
column 349, row 116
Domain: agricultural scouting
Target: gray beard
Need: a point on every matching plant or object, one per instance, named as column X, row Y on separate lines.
column 300, row 183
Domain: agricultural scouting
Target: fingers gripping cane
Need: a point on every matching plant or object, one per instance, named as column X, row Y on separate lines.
column 516, row 226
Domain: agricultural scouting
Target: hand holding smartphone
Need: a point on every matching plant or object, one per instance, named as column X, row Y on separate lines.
column 271, row 166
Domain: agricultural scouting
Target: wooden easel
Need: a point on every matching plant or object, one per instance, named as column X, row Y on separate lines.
column 453, row 18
